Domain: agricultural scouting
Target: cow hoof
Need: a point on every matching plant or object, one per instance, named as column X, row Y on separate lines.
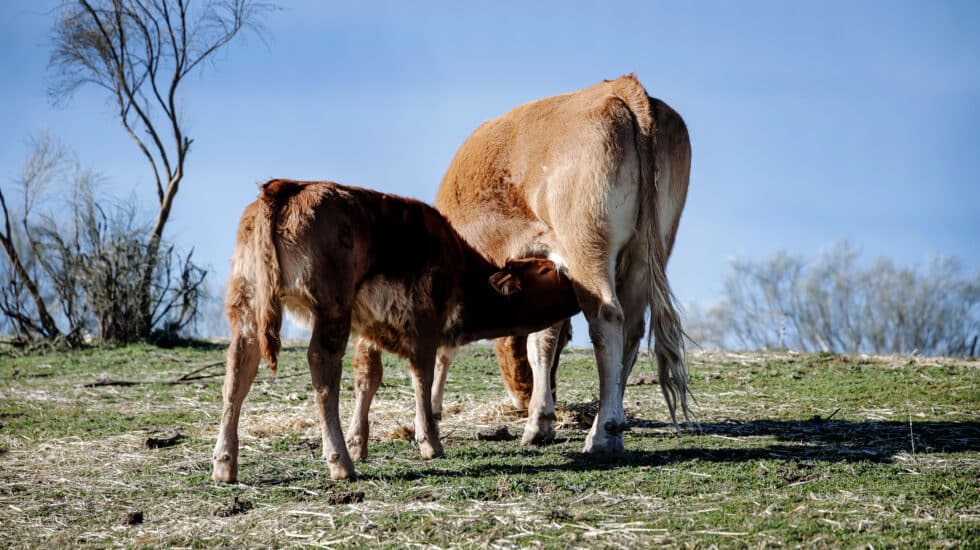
column 607, row 444
column 225, row 469
column 340, row 474
column 341, row 466
column 538, row 433
column 357, row 448
column 430, row 451
column 342, row 471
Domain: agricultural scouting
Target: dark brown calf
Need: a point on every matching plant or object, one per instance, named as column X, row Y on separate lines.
column 391, row 270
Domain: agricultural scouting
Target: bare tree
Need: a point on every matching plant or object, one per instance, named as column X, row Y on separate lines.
column 756, row 310
column 213, row 322
column 141, row 52
column 69, row 276
column 19, row 282
column 837, row 304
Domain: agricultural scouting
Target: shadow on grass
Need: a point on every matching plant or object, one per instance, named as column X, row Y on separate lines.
column 169, row 341
column 866, row 437
column 806, row 440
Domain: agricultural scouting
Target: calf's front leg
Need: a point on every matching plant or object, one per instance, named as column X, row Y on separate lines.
column 426, row 428
column 367, row 377
column 444, row 360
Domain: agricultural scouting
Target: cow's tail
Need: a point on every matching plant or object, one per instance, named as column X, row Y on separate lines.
column 656, row 227
column 268, row 305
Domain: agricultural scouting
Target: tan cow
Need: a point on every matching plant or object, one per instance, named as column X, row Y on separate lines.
column 391, row 270
column 597, row 180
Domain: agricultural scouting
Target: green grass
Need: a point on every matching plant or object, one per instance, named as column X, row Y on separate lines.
column 793, row 450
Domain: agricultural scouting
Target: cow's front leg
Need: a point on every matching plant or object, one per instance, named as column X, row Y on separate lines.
column 512, row 357
column 515, row 369
column 240, row 369
column 426, row 428
column 325, row 355
column 541, row 350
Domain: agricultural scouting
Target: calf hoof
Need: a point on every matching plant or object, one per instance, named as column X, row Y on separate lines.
column 341, row 467
column 430, row 450
column 538, row 432
column 225, row 469
column 357, row 448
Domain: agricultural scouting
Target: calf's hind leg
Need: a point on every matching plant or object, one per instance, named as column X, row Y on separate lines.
column 325, row 356
column 367, row 377
column 242, row 365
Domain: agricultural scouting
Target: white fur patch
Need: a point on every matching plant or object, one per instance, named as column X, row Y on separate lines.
column 561, row 264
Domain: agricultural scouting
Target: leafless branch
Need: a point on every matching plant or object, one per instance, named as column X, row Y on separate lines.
column 141, row 51
column 836, row 304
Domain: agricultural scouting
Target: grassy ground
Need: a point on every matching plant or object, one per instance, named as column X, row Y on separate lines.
column 794, row 450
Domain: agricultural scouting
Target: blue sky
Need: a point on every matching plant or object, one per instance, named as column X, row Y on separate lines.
column 811, row 122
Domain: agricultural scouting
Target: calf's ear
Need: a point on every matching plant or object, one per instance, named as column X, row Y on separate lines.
column 505, row 282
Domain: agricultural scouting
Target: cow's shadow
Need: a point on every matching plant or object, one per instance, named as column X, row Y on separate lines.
column 815, row 440
column 869, row 437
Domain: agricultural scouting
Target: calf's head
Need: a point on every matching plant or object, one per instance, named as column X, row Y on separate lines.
column 535, row 292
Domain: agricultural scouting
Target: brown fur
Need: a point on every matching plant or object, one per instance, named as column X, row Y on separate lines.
column 389, row 269
column 563, row 174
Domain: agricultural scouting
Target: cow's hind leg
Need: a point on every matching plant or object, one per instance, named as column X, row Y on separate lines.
column 426, row 429
column 592, row 268
column 593, row 251
column 325, row 356
column 634, row 294
column 605, row 316
column 368, row 371
column 592, row 257
column 564, row 337
column 242, row 365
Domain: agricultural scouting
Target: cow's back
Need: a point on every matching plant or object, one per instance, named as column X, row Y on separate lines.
column 514, row 175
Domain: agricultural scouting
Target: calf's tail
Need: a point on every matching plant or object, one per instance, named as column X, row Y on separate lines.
column 268, row 305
